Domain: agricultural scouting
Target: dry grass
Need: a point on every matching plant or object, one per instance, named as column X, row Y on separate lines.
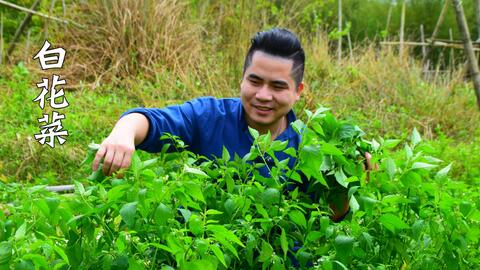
column 163, row 52
column 129, row 38
column 389, row 95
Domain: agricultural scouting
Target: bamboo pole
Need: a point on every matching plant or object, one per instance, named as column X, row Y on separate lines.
column 474, row 43
column 389, row 17
column 477, row 16
column 440, row 20
column 472, row 61
column 21, row 28
column 339, row 47
column 424, row 48
column 402, row 29
column 422, row 39
column 435, row 44
column 52, row 4
column 65, row 21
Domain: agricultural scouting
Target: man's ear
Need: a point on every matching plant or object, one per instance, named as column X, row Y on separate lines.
column 299, row 90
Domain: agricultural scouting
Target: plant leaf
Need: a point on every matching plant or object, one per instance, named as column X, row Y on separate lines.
column 266, row 252
column 392, row 222
column 61, row 253
column 298, row 218
column 127, row 212
column 330, row 149
column 254, row 133
column 415, row 139
column 284, row 243
column 219, row 254
column 390, row 168
column 21, row 231
column 423, row 165
column 195, row 171
column 443, row 172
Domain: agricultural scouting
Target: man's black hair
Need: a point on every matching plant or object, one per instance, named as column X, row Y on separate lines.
column 279, row 42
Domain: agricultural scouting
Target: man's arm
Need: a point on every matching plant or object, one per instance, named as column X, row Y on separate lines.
column 341, row 206
column 141, row 128
column 117, row 149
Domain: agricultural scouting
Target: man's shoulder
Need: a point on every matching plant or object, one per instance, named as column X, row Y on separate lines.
column 209, row 100
column 211, row 104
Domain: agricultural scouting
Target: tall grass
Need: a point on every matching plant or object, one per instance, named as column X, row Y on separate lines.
column 128, row 38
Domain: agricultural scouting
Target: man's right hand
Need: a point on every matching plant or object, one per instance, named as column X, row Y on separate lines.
column 116, row 152
column 117, row 149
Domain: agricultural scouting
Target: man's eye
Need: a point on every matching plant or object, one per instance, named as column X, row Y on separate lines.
column 254, row 82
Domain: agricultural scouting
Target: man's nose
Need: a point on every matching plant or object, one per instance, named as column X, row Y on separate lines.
column 264, row 93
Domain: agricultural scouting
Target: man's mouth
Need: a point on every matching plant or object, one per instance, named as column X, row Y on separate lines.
column 263, row 108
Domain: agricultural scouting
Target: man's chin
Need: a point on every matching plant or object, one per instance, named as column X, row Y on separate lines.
column 263, row 122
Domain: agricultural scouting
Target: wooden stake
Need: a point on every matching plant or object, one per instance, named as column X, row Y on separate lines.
column 463, row 27
column 339, row 47
column 21, row 28
column 389, row 16
column 26, row 55
column 452, row 52
column 350, row 46
column 440, row 20
column 437, row 68
column 402, row 29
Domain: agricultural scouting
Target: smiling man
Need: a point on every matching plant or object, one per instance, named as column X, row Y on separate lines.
column 268, row 92
column 271, row 85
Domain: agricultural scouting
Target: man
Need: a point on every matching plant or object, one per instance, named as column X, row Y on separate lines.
column 271, row 85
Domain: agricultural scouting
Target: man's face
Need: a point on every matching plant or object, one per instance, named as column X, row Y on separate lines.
column 268, row 90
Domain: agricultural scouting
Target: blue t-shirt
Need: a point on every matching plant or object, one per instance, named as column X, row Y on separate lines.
column 207, row 124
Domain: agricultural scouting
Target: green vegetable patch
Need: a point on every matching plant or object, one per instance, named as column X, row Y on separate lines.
column 181, row 211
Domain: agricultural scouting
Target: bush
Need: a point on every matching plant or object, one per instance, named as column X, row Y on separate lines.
column 177, row 210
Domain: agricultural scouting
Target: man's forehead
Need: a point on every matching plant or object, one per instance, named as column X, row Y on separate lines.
column 260, row 54
column 270, row 67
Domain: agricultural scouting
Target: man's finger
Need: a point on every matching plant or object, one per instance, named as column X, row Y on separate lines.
column 98, row 157
column 127, row 159
column 117, row 162
column 368, row 158
column 107, row 162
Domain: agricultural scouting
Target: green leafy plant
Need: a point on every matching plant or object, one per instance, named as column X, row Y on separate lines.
column 180, row 210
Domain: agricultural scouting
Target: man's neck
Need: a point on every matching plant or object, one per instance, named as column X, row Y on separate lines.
column 275, row 130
